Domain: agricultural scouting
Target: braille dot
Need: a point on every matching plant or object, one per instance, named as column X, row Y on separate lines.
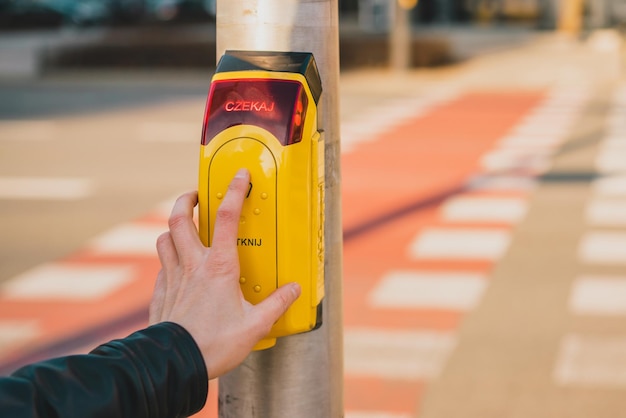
column 257, row 288
column 257, row 211
column 263, row 195
column 242, row 280
column 219, row 195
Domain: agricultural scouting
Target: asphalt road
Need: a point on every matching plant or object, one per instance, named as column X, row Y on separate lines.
column 485, row 273
column 79, row 154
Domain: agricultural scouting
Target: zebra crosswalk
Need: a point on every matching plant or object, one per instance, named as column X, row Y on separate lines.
column 433, row 192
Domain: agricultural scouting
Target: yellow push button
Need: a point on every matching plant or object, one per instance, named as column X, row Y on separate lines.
column 256, row 238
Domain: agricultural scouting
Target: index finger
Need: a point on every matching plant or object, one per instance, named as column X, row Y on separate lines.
column 229, row 212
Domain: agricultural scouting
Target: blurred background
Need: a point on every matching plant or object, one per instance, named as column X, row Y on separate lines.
column 178, row 33
column 483, row 181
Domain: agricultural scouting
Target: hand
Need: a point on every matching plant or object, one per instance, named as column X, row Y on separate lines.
column 198, row 287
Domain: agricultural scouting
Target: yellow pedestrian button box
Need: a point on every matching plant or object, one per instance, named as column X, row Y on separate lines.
column 261, row 114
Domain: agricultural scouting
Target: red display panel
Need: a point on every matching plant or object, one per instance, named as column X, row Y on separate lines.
column 278, row 106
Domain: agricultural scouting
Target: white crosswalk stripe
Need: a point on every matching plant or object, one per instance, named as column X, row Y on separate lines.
column 599, row 295
column 128, row 239
column 599, row 361
column 56, row 281
column 603, row 247
column 439, row 290
column 591, row 361
column 484, row 209
column 463, row 244
column 530, row 145
column 611, row 185
column 45, row 188
column 413, row 355
column 606, row 212
column 501, row 182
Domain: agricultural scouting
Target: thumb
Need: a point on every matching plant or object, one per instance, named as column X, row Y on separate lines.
column 276, row 304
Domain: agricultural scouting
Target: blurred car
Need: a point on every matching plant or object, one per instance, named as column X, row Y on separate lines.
column 87, row 12
column 126, row 11
column 180, row 10
column 28, row 14
column 52, row 13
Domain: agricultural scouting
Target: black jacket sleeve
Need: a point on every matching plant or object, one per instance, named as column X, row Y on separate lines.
column 156, row 372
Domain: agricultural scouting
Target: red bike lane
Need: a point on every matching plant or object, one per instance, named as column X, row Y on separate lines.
column 393, row 189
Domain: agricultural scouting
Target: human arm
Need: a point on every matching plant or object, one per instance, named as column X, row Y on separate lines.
column 202, row 327
column 155, row 372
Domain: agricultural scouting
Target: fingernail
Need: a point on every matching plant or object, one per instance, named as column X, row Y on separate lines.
column 296, row 289
column 241, row 173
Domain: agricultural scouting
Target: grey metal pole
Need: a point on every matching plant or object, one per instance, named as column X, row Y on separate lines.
column 400, row 38
column 302, row 376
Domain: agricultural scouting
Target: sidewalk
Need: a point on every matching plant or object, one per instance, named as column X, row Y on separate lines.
column 547, row 338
